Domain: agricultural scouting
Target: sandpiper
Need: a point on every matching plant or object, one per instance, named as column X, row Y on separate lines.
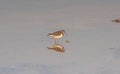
column 116, row 20
column 57, row 34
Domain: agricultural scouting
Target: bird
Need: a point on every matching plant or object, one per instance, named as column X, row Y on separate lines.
column 56, row 35
column 116, row 20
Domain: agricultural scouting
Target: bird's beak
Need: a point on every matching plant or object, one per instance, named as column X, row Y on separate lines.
column 65, row 33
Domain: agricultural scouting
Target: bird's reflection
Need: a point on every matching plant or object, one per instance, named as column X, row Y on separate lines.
column 57, row 47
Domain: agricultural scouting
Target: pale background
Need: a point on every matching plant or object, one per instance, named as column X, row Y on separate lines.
column 94, row 46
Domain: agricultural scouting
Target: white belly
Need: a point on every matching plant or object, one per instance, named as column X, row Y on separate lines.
column 57, row 36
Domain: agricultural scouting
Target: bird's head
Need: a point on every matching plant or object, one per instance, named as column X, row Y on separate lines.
column 63, row 31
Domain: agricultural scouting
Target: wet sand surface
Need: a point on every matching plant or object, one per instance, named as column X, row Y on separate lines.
column 94, row 46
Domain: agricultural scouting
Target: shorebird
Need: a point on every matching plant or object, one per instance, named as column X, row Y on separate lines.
column 116, row 20
column 57, row 34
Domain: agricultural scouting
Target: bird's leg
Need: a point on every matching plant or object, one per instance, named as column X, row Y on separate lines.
column 56, row 41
